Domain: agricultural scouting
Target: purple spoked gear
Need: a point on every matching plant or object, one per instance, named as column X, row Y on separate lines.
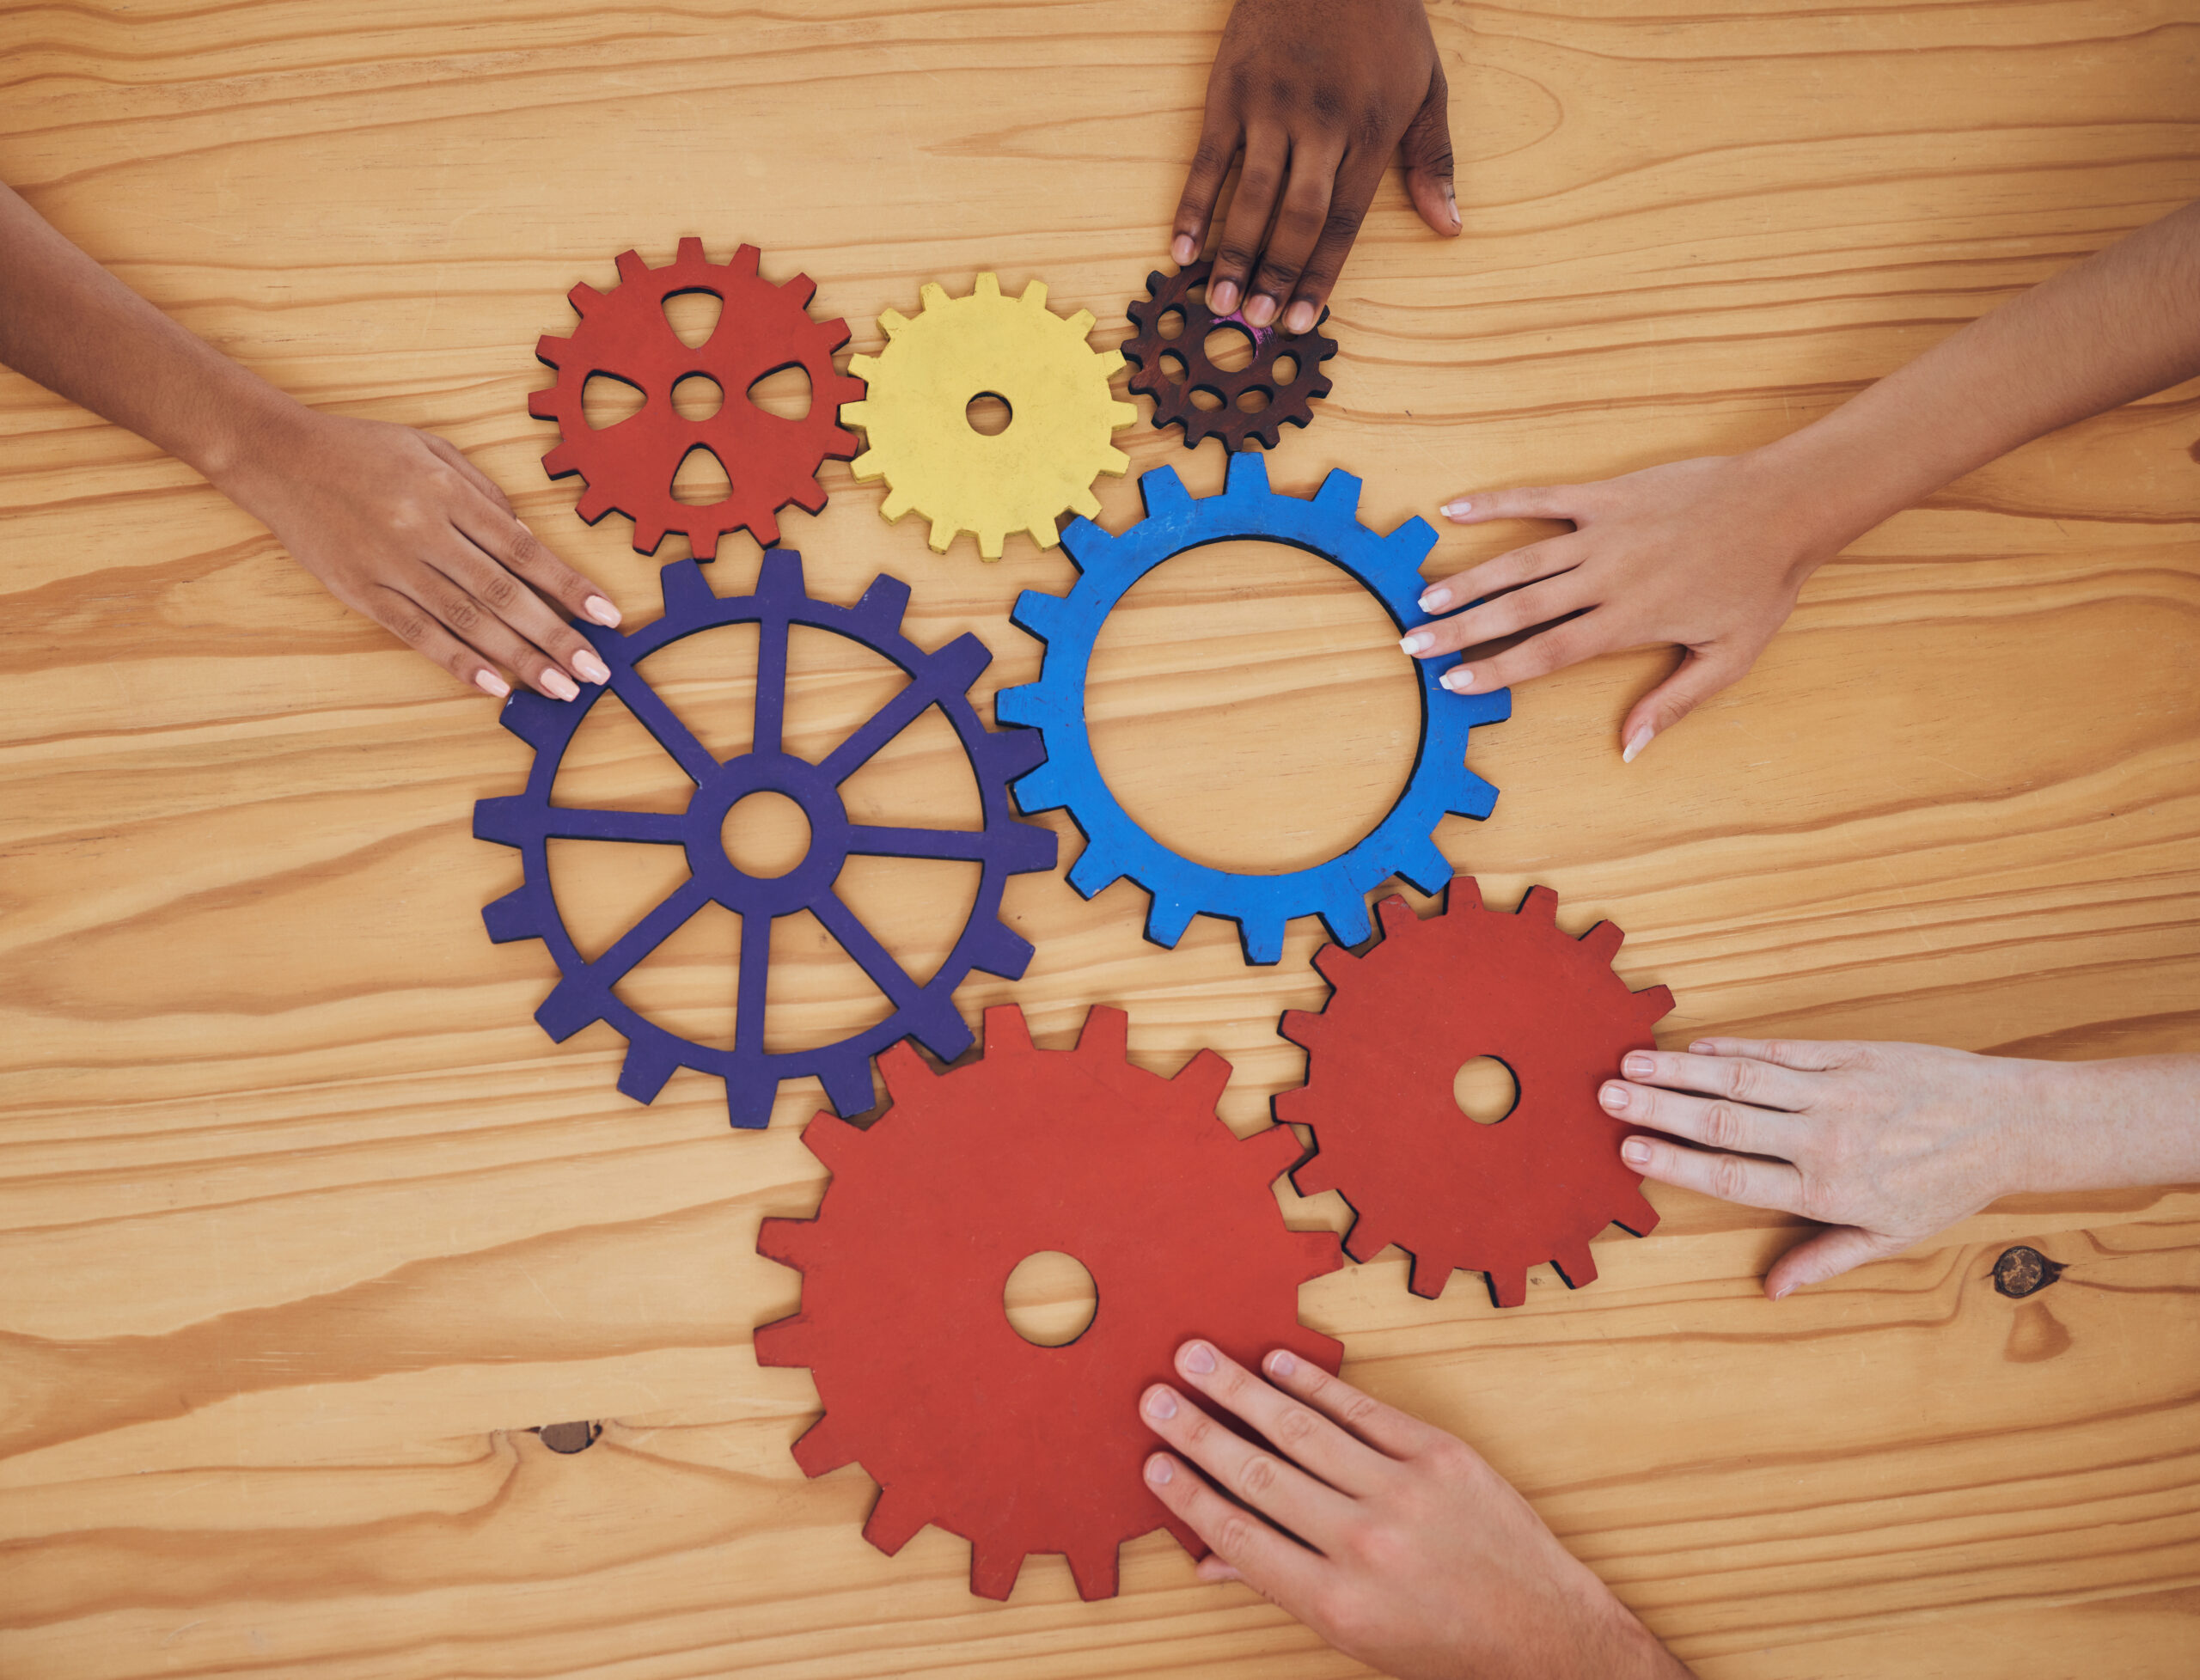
column 926, row 1012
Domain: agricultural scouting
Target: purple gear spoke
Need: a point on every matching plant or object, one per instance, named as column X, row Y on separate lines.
column 873, row 958
column 770, row 728
column 692, row 757
column 645, row 827
column 582, row 987
column 959, row 844
column 754, row 985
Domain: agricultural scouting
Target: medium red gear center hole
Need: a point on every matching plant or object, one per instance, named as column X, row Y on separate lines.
column 697, row 396
column 765, row 834
column 1485, row 1090
column 1050, row 1298
column 988, row 414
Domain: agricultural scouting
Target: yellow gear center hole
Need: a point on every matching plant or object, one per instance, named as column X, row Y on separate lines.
column 988, row 414
column 1250, row 708
column 765, row 834
column 1050, row 1298
column 1485, row 1090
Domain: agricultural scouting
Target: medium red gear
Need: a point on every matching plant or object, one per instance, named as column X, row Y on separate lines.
column 1388, row 1135
column 1288, row 402
column 630, row 465
column 961, row 1422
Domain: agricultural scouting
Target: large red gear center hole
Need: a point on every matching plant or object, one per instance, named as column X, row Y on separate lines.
column 1485, row 1090
column 988, row 414
column 766, row 834
column 1050, row 1298
column 1295, row 756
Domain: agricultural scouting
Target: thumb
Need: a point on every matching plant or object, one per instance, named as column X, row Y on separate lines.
column 1694, row 680
column 1426, row 150
column 1827, row 1255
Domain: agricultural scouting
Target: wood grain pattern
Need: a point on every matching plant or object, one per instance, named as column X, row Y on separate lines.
column 303, row 1224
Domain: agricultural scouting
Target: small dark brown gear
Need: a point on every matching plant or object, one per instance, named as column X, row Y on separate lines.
column 1286, row 402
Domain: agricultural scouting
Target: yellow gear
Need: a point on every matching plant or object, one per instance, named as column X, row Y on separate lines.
column 918, row 435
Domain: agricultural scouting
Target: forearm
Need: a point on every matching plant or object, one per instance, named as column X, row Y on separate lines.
column 67, row 323
column 2122, row 324
column 2112, row 1125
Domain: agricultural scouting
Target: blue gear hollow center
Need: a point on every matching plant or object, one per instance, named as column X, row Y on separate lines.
column 1003, row 846
column 1116, row 846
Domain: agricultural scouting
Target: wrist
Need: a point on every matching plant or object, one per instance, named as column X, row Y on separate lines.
column 1817, row 504
column 246, row 450
column 2040, row 1105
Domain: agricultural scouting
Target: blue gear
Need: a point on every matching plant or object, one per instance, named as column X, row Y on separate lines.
column 1004, row 846
column 1116, row 846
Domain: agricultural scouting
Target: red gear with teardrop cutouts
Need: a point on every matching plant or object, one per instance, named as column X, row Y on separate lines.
column 1381, row 1060
column 762, row 329
column 962, row 1422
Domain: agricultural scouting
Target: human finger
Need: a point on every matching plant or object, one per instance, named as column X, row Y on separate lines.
column 1559, row 501
column 506, row 539
column 1310, row 1440
column 1219, row 140
column 1270, row 1563
column 1353, row 192
column 1426, row 152
column 1713, row 1122
column 1509, row 570
column 1827, row 1255
column 1762, row 1085
column 1550, row 597
column 417, row 627
column 1299, row 220
column 1697, row 677
column 1553, row 650
column 1385, row 1428
column 1245, row 228
column 521, row 609
column 1266, row 1481
column 1773, row 1184
column 1815, row 1055
column 467, row 617
column 473, row 475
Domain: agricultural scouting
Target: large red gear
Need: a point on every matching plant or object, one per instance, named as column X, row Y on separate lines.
column 1381, row 1062
column 961, row 1422
column 630, row 465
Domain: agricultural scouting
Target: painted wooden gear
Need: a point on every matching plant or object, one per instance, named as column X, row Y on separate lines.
column 962, row 1422
column 1288, row 403
column 769, row 460
column 1388, row 1135
column 918, row 436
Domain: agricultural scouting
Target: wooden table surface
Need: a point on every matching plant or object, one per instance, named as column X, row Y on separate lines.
column 305, row 1226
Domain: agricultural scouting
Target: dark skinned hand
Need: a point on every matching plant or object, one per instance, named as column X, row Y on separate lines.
column 1318, row 95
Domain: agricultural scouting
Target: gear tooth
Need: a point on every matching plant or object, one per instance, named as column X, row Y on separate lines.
column 1314, row 1177
column 1085, row 543
column 832, row 333
column 690, row 250
column 703, row 541
column 1106, row 1034
column 630, row 266
column 1541, row 904
column 1248, row 475
column 895, row 1520
column 862, row 367
column 1085, row 504
column 1039, row 792
column 1290, row 1107
column 847, row 1085
column 1508, row 1287
column 1167, row 920
column 897, row 502
column 1339, row 494
column 934, row 295
column 1164, row 494
column 1010, row 753
column 942, row 536
column 583, row 297
column 744, row 259
column 571, row 1005
column 893, row 323
column 1027, row 849
column 1425, row 867
column 559, row 462
column 1091, row 874
column 791, row 1243
column 647, row 1067
column 989, row 544
column 1007, row 1033
column 780, row 577
column 594, row 503
column 1334, row 963
column 1273, row 1152
column 1042, row 531
column 1040, row 615
column 1303, row 1026
column 1323, row 1255
column 1574, row 1264
column 748, row 1097
column 1115, row 463
column 1603, row 941
column 1026, row 704
column 1203, row 1080
column 994, row 1570
column 809, row 498
column 1428, row 1277
column 648, row 534
column 821, row 1451
column 782, row 1342
column 542, row 405
column 1083, row 323
column 963, row 661
column 1262, row 938
column 1397, row 916
column 934, row 1022
column 1346, row 918
column 1364, row 1241
column 1636, row 1215
column 801, row 289
column 829, row 1138
column 1000, row 949
column 883, row 605
column 1094, row 1571
column 1653, row 1004
column 904, row 1072
column 1035, row 295
column 687, row 593
column 505, row 821
column 511, row 917
column 1408, row 545
column 987, row 285
column 1463, row 897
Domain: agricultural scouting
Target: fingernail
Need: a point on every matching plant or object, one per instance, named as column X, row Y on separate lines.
column 1417, row 641
column 1160, row 1405
column 1435, row 600
column 1458, row 509
column 1452, row 203
column 1783, row 1293
column 490, row 683
column 601, row 611
column 1458, row 678
column 563, row 686
column 1182, row 251
column 1300, row 318
column 1614, row 1097
column 1223, row 298
column 1636, row 1065
column 1199, row 1359
column 1634, row 1152
column 1158, row 1471
column 591, row 667
column 1260, row 311
column 1702, row 1047
column 1281, row 1364
column 1635, row 743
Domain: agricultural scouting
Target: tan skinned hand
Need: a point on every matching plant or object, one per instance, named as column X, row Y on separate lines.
column 1318, row 96
column 1707, row 554
column 1410, row 1555
column 1887, row 1144
column 399, row 525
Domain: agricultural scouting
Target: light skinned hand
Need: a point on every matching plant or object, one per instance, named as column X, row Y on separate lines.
column 1708, row 554
column 1317, row 96
column 1404, row 1549
column 398, row 524
column 1886, row 1143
